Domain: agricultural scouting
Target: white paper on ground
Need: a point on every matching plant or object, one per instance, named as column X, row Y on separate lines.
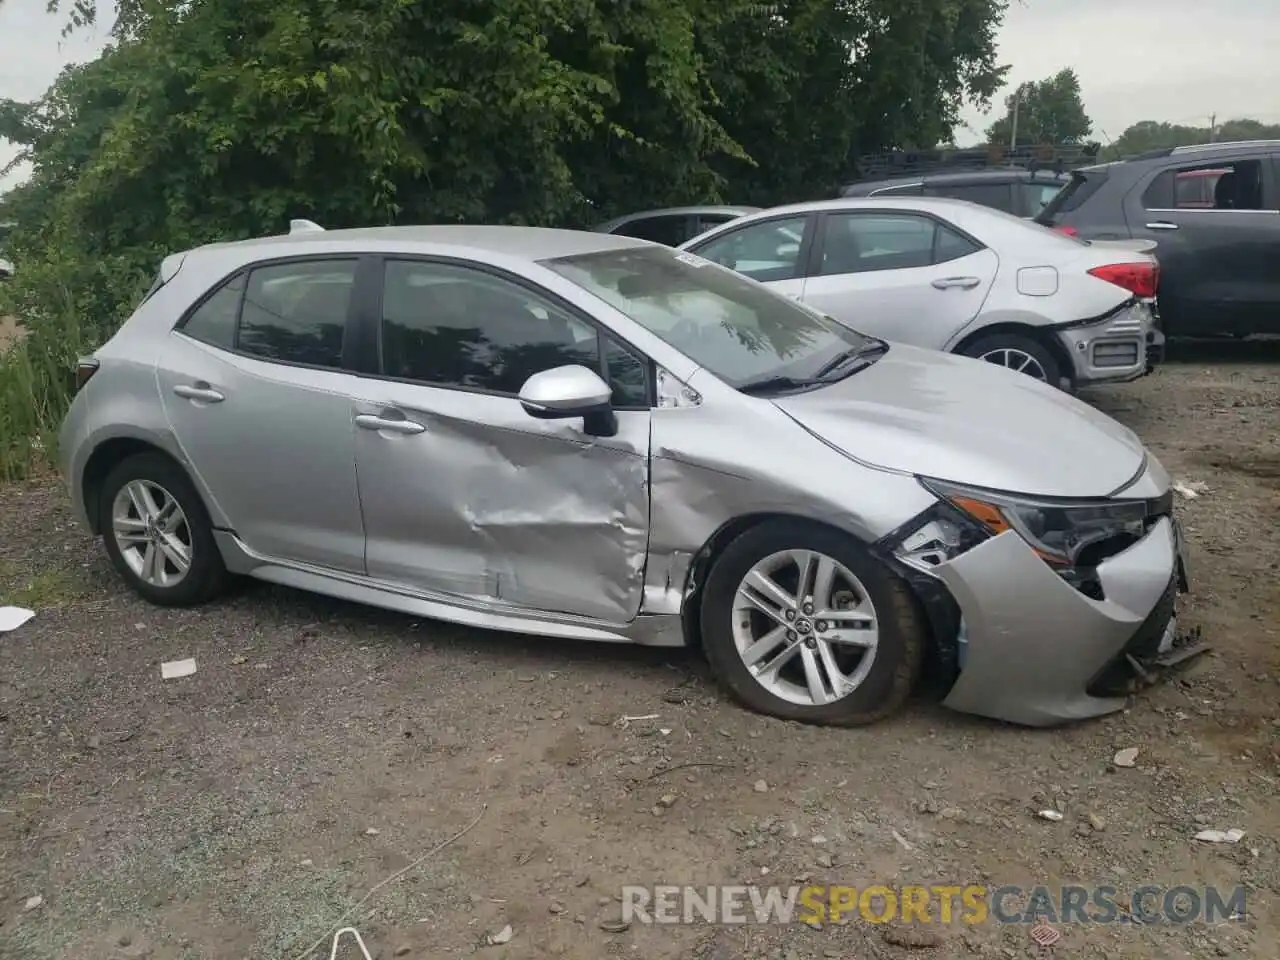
column 11, row 618
column 177, row 668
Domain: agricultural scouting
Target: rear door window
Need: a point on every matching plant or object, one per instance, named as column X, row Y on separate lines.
column 297, row 312
column 1237, row 185
column 864, row 242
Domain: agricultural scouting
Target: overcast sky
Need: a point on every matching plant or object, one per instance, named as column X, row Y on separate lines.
column 1174, row 60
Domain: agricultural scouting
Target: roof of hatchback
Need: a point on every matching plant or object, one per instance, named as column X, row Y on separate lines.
column 532, row 243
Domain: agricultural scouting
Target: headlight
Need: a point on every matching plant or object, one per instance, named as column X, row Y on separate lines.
column 1065, row 533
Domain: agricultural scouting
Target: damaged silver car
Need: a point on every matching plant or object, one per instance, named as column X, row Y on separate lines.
column 587, row 436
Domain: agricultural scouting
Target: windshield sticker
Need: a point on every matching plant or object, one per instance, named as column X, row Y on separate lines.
column 692, row 260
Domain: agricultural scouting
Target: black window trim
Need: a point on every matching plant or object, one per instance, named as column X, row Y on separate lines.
column 350, row 331
column 368, row 319
column 815, row 254
column 807, row 239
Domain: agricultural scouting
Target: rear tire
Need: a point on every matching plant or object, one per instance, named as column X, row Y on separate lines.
column 849, row 606
column 1017, row 352
column 158, row 534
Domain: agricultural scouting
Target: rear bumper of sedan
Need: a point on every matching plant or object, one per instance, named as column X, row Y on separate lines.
column 1036, row 646
column 1113, row 350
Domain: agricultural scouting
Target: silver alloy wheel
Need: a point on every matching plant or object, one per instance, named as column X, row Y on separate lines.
column 805, row 627
column 1016, row 360
column 152, row 532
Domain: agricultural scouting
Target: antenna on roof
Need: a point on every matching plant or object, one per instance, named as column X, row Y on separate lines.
column 304, row 226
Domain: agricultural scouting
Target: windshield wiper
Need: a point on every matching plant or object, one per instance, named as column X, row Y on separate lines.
column 770, row 384
column 867, row 351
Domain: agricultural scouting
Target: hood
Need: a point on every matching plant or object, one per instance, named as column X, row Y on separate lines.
column 970, row 422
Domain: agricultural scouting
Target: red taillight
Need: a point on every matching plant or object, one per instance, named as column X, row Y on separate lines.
column 1069, row 231
column 1140, row 279
column 85, row 369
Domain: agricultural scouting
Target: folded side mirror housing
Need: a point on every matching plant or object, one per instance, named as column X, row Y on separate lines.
column 571, row 391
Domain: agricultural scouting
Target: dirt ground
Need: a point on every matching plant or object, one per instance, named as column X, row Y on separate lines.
column 321, row 747
column 10, row 333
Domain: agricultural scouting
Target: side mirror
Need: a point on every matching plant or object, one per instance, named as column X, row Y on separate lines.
column 563, row 393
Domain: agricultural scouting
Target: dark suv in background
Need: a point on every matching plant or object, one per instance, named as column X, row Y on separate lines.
column 1213, row 211
column 1015, row 190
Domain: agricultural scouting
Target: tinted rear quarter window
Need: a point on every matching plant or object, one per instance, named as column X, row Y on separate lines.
column 1080, row 188
column 214, row 321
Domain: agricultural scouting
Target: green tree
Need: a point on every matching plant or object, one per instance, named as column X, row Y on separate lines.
column 1148, row 135
column 221, row 119
column 1049, row 111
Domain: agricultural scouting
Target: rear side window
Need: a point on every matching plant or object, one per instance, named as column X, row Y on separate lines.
column 297, row 312
column 1236, row 185
column 1079, row 188
column 288, row 313
column 214, row 321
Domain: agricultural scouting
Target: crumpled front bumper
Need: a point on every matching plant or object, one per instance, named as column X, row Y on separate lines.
column 1036, row 643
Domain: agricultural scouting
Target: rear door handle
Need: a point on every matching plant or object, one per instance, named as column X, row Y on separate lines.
column 964, row 283
column 199, row 391
column 1162, row 225
column 369, row 421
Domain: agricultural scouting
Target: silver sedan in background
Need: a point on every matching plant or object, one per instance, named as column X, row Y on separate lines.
column 577, row 435
column 955, row 276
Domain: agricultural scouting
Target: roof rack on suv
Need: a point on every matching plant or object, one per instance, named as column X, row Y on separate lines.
column 905, row 163
column 1225, row 145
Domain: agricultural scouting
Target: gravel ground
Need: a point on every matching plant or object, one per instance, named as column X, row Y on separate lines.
column 322, row 747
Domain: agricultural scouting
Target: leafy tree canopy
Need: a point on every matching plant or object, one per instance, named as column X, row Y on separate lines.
column 1049, row 111
column 221, row 119
column 1153, row 135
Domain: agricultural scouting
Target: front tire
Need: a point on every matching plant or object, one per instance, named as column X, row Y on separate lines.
column 802, row 623
column 158, row 534
column 1019, row 353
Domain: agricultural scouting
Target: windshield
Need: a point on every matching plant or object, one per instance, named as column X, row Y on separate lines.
column 732, row 326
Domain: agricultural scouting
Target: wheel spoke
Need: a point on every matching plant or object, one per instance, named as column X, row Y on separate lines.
column 846, row 617
column 765, row 645
column 813, row 677
column 169, row 518
column 152, row 565
column 176, row 551
column 834, row 673
column 866, row 639
column 141, row 500
column 770, row 673
column 762, row 593
column 823, row 581
column 1026, row 361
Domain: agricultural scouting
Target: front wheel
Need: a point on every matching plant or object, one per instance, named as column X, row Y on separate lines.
column 157, row 532
column 801, row 622
column 1018, row 353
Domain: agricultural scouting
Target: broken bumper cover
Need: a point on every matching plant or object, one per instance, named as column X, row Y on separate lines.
column 1036, row 645
column 1112, row 349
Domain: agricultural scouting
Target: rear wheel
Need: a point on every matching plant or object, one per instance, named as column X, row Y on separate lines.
column 157, row 532
column 801, row 622
column 1019, row 353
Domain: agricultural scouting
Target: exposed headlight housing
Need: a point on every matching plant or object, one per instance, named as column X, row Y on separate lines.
column 1066, row 534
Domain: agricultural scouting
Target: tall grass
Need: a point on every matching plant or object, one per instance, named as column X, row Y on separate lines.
column 37, row 382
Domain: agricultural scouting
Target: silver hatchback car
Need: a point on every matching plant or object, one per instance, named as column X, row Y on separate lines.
column 587, row 436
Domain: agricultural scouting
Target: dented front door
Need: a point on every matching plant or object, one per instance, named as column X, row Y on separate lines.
column 465, row 494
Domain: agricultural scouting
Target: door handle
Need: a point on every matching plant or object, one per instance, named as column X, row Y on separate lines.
column 1162, row 225
column 964, row 283
column 369, row 421
column 199, row 391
